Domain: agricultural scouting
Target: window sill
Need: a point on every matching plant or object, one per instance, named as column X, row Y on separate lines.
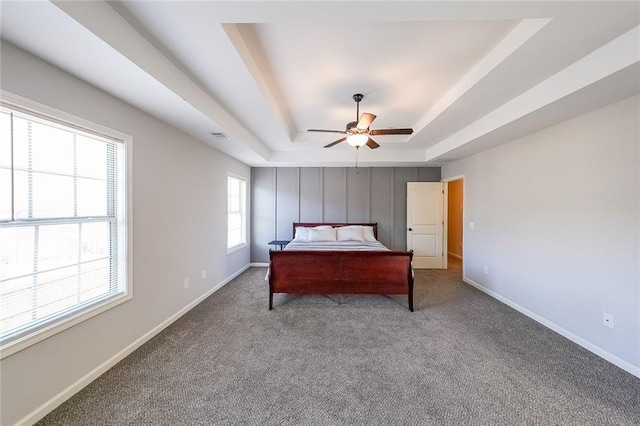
column 236, row 248
column 24, row 342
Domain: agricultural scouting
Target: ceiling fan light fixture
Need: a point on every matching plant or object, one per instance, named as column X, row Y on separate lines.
column 357, row 140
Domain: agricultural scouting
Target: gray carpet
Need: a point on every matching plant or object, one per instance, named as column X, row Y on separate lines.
column 461, row 358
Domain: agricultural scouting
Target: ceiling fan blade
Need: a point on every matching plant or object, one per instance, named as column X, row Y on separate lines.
column 391, row 132
column 372, row 144
column 326, row 131
column 365, row 121
column 335, row 142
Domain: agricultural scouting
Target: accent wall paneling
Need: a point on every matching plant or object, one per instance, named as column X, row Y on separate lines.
column 334, row 195
column 311, row 194
column 263, row 207
column 358, row 195
column 283, row 195
column 287, row 201
column 382, row 206
column 401, row 177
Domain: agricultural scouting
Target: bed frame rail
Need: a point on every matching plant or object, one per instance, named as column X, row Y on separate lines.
column 341, row 272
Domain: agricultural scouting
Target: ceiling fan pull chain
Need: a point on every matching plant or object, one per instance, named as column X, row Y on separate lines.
column 357, row 149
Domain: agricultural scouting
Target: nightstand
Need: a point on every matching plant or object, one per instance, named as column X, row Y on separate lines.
column 280, row 243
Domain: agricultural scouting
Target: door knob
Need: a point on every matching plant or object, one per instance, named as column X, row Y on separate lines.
column 410, row 229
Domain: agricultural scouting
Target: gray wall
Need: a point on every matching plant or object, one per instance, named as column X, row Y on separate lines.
column 284, row 195
column 557, row 221
column 179, row 228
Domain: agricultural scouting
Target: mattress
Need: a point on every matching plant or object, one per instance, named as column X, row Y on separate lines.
column 337, row 245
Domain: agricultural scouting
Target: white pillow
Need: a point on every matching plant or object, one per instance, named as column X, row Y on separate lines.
column 302, row 232
column 326, row 234
column 367, row 232
column 348, row 233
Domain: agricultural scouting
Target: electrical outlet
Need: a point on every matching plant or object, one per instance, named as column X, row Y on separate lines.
column 486, row 270
column 204, row 274
column 607, row 319
column 186, row 283
column 472, row 225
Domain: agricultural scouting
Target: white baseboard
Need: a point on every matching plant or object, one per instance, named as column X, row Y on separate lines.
column 74, row 388
column 619, row 362
column 260, row 264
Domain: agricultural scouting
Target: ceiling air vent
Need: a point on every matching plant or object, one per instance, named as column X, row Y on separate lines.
column 221, row 136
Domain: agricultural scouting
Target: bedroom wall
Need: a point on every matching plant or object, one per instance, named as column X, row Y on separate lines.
column 179, row 228
column 557, row 221
column 283, row 195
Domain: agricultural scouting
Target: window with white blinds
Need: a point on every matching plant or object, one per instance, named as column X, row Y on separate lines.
column 236, row 220
column 63, row 235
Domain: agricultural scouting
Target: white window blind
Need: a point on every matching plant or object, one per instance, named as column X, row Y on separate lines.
column 236, row 212
column 62, row 222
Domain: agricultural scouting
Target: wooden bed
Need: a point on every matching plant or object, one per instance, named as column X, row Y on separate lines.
column 340, row 271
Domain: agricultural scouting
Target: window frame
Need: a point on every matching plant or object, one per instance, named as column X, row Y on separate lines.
column 243, row 205
column 56, row 117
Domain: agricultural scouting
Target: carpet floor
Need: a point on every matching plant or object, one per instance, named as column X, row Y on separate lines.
column 462, row 358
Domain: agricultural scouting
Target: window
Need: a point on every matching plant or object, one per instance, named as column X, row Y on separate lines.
column 236, row 213
column 63, row 227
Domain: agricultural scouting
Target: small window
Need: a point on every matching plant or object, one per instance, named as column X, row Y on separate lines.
column 63, row 225
column 236, row 213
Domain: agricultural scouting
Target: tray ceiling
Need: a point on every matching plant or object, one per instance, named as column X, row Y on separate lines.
column 466, row 76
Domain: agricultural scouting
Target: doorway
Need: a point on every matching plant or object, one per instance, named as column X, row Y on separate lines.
column 455, row 224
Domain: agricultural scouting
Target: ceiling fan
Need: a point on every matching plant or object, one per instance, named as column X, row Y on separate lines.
column 358, row 132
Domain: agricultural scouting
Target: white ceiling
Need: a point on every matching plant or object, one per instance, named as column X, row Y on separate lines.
column 466, row 76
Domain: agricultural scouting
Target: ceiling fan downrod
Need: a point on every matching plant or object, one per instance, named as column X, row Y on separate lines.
column 358, row 97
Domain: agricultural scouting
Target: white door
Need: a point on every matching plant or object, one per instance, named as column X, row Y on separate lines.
column 425, row 224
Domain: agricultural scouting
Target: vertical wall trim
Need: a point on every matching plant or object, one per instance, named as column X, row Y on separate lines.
column 275, row 203
column 298, row 192
column 322, row 194
column 346, row 194
column 369, row 191
column 393, row 205
column 346, row 197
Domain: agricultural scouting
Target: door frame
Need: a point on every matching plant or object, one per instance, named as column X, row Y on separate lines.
column 464, row 214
